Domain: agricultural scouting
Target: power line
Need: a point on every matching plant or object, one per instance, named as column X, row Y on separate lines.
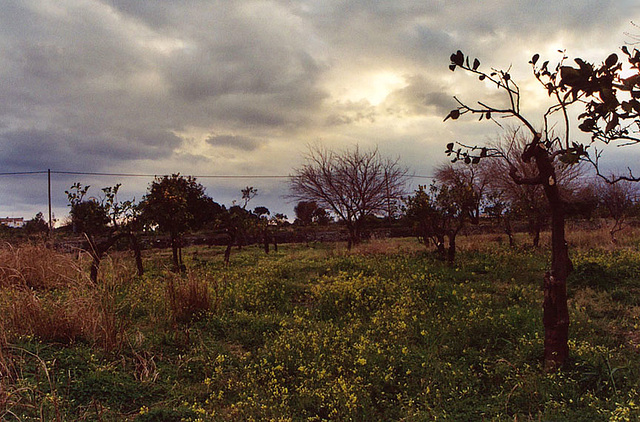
column 20, row 173
column 206, row 176
column 210, row 176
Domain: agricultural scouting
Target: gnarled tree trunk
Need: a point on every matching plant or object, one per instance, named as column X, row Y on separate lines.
column 556, row 313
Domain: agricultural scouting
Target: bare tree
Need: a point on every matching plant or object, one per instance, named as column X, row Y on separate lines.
column 618, row 202
column 352, row 183
column 524, row 201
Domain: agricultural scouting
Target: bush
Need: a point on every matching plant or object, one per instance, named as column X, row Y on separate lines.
column 188, row 299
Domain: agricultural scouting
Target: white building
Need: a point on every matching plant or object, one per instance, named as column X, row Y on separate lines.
column 14, row 223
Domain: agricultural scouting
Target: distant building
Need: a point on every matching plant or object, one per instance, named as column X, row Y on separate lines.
column 14, row 223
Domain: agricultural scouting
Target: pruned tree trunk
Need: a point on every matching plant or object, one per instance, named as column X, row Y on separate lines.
column 508, row 229
column 265, row 240
column 536, row 237
column 556, row 314
column 440, row 247
column 227, row 251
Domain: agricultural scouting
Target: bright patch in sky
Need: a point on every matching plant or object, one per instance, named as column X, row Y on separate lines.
column 373, row 87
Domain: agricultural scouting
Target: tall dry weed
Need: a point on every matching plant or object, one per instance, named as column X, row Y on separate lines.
column 46, row 295
column 37, row 267
column 188, row 298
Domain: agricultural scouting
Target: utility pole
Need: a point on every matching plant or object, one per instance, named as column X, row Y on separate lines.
column 50, row 219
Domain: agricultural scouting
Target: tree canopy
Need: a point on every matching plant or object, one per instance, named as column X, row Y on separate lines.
column 353, row 184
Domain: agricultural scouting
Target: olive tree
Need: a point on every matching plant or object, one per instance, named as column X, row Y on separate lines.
column 353, row 184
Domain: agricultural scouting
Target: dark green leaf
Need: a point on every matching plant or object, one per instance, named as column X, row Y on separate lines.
column 481, row 77
column 625, row 50
column 453, row 115
column 458, row 58
column 450, row 146
column 476, row 64
column 611, row 60
column 452, row 67
column 613, row 123
column 535, row 58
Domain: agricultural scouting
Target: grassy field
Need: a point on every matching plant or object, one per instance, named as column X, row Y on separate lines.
column 312, row 332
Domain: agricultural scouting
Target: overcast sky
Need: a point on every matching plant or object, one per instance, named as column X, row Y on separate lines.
column 242, row 87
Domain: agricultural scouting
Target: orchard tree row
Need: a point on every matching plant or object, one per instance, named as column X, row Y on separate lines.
column 173, row 205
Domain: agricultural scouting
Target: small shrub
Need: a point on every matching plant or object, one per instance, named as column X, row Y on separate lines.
column 188, row 299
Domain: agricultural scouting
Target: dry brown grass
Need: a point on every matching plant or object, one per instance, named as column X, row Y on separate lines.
column 38, row 267
column 388, row 246
column 188, row 298
column 45, row 294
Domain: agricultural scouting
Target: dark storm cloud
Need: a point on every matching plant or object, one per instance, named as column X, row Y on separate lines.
column 233, row 141
column 34, row 150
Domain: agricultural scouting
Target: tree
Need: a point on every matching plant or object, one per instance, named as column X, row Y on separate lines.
column 36, row 225
column 546, row 150
column 103, row 222
column 308, row 212
column 262, row 221
column 352, row 183
column 444, row 210
column 618, row 202
column 177, row 204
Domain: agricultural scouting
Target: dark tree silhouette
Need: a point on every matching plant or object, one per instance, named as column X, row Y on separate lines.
column 450, row 203
column 104, row 222
column 36, row 225
column 307, row 212
column 177, row 204
column 544, row 150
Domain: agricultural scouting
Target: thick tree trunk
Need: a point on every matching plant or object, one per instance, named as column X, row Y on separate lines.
column 556, row 313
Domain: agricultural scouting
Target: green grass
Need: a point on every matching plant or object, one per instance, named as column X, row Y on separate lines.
column 315, row 333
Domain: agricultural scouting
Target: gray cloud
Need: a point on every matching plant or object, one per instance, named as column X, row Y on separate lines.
column 123, row 85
